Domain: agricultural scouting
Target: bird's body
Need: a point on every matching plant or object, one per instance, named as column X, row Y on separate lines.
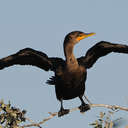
column 70, row 74
column 70, row 84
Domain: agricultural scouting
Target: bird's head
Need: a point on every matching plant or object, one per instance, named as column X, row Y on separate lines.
column 75, row 36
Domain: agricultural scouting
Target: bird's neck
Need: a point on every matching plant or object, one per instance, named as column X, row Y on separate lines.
column 71, row 61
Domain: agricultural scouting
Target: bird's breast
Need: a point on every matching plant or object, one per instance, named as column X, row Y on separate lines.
column 70, row 84
column 71, row 77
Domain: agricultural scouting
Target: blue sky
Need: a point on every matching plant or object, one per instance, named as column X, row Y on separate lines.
column 42, row 25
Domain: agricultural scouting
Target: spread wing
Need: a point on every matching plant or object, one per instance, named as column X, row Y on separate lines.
column 99, row 50
column 32, row 57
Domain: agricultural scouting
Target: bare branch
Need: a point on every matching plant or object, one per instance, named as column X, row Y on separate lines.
column 112, row 107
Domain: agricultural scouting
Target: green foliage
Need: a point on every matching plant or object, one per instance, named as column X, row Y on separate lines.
column 10, row 117
column 104, row 120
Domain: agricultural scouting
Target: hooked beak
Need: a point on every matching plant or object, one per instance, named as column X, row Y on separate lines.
column 85, row 35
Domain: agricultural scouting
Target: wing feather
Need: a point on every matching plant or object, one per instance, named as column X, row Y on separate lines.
column 32, row 57
column 99, row 50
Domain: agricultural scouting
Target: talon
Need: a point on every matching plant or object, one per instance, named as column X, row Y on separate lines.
column 84, row 107
column 63, row 112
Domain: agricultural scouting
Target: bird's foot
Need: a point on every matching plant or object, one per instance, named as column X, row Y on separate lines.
column 84, row 107
column 63, row 112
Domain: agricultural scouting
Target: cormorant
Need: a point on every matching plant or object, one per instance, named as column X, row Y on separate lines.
column 70, row 74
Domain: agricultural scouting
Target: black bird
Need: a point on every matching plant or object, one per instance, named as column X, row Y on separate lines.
column 70, row 74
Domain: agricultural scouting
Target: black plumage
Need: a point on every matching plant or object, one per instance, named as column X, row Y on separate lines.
column 70, row 74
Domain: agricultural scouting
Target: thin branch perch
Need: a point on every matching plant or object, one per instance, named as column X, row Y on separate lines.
column 112, row 107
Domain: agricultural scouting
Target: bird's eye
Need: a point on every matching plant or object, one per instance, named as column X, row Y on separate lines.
column 80, row 35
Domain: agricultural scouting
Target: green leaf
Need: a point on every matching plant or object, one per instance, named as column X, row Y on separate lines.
column 92, row 124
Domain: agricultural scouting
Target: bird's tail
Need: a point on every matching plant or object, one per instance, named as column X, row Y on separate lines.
column 51, row 81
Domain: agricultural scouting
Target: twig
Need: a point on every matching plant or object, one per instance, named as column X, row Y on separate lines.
column 87, row 99
column 32, row 122
column 30, row 125
column 113, row 107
